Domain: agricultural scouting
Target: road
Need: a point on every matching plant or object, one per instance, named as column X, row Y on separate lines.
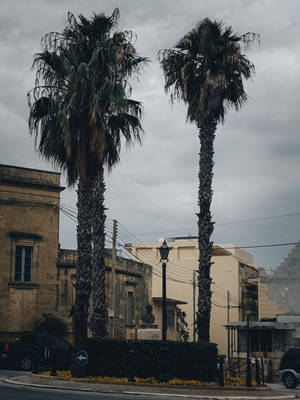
column 14, row 392
column 279, row 387
column 9, row 372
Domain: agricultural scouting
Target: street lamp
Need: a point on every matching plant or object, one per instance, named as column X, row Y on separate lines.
column 248, row 368
column 164, row 252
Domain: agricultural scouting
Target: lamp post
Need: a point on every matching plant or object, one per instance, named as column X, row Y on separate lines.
column 164, row 252
column 248, row 368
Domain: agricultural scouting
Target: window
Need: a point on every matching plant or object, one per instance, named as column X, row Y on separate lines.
column 171, row 319
column 129, row 308
column 23, row 264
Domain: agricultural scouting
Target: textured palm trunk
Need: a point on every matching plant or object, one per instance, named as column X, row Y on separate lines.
column 98, row 321
column 83, row 274
column 205, row 225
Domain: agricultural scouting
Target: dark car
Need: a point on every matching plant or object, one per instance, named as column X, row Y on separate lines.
column 289, row 369
column 36, row 350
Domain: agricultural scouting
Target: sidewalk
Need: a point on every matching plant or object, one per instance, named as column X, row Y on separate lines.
column 211, row 391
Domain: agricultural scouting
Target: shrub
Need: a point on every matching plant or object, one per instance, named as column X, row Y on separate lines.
column 186, row 360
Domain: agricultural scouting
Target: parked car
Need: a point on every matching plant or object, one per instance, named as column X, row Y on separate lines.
column 36, row 350
column 289, row 369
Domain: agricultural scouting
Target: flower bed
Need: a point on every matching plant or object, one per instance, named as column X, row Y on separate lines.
column 229, row 381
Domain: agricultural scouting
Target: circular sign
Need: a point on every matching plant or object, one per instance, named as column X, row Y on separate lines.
column 82, row 358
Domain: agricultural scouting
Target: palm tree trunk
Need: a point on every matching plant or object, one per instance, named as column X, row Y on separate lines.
column 205, row 225
column 98, row 322
column 83, row 274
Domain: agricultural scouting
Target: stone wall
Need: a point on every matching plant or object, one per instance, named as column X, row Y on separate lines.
column 28, row 219
column 131, row 276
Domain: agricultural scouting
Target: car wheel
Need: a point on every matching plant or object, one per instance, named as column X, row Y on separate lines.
column 289, row 380
column 26, row 362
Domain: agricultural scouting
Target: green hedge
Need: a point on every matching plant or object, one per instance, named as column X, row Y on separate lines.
column 185, row 360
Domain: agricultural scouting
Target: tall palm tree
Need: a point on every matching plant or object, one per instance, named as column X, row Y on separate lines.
column 206, row 70
column 80, row 109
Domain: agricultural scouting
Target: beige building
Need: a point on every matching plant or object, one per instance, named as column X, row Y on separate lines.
column 234, row 281
column 171, row 306
column 36, row 275
column 28, row 245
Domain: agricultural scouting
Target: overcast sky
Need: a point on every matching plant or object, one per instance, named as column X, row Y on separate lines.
column 153, row 191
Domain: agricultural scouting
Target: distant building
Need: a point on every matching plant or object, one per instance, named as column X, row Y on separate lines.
column 132, row 291
column 234, row 281
column 278, row 327
column 36, row 276
column 280, row 293
column 171, row 305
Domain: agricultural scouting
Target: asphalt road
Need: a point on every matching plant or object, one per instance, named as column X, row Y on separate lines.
column 4, row 373
column 279, row 387
column 12, row 392
column 15, row 392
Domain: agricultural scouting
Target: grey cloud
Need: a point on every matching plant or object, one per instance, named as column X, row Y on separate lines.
column 154, row 187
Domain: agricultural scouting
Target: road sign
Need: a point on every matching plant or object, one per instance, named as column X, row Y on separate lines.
column 82, row 358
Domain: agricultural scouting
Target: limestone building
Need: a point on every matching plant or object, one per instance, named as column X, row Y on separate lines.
column 280, row 292
column 36, row 275
column 278, row 327
column 28, row 245
column 234, row 281
column 280, row 296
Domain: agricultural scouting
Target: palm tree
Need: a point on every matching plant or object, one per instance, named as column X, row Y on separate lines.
column 80, row 108
column 206, row 70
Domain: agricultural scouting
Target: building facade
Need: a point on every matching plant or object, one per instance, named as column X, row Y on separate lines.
column 133, row 290
column 171, row 306
column 29, row 223
column 36, row 276
column 280, row 292
column 234, row 282
column 278, row 327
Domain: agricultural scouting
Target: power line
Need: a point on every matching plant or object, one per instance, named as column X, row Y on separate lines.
column 226, row 223
column 151, row 259
column 218, row 305
column 226, row 248
column 155, row 270
column 260, row 246
column 259, row 219
column 131, row 237
column 178, row 230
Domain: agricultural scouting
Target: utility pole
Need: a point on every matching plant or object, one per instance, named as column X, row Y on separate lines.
column 113, row 276
column 194, row 305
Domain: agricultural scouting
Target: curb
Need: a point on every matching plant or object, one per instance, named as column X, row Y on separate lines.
column 12, row 382
column 157, row 394
column 195, row 396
